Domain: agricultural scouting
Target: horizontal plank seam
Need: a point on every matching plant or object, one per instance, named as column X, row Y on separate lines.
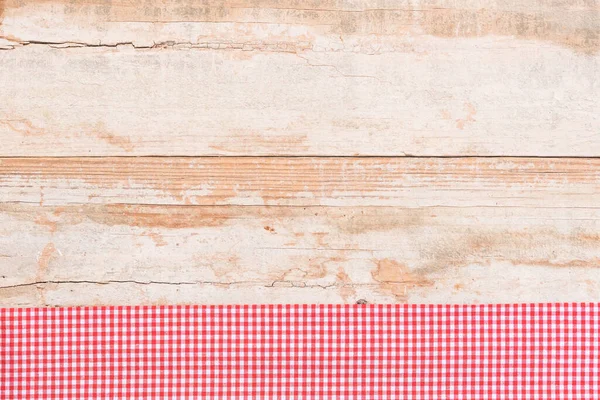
column 318, row 156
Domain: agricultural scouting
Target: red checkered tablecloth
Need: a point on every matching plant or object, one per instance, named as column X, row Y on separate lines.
column 531, row 351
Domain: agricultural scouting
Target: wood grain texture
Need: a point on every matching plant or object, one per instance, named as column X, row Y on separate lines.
column 303, row 181
column 331, row 229
column 288, row 25
column 116, row 254
column 388, row 78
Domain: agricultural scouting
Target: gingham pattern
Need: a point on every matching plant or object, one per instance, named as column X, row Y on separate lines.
column 543, row 351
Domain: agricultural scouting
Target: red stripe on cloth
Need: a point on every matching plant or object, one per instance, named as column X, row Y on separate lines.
column 531, row 351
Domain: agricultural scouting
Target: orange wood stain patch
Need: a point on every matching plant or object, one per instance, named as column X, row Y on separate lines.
column 300, row 181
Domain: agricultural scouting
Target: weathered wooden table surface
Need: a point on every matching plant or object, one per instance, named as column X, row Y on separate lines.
column 281, row 151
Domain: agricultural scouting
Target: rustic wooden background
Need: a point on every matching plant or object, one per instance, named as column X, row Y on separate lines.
column 283, row 151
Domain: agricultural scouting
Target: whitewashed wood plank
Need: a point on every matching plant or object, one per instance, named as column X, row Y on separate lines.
column 118, row 254
column 277, row 78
